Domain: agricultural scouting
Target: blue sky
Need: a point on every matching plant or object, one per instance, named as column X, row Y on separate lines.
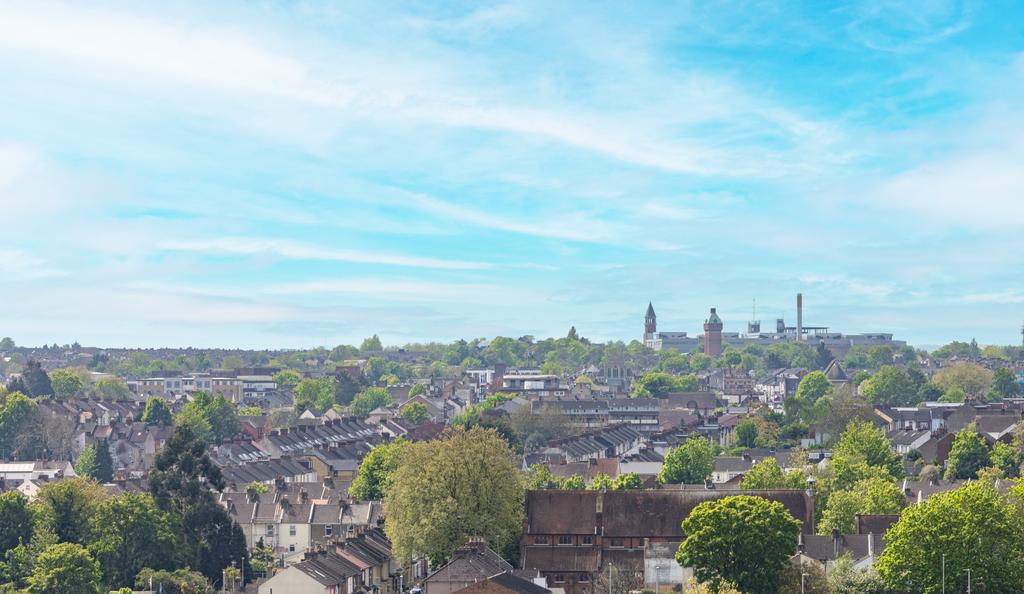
column 289, row 174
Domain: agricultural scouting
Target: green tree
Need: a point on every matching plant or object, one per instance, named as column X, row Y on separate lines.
column 539, row 477
column 741, row 540
column 1004, row 385
column 232, row 362
column 880, row 355
column 181, row 484
column 602, row 482
column 180, row 581
column 16, row 520
column 813, row 386
column 375, row 471
column 371, row 345
column 66, row 508
column 86, row 463
column 129, row 534
column 193, row 418
column 111, row 389
column 657, row 384
column 35, row 380
column 286, row 379
column 7, row 344
column 845, row 578
column 968, row 455
column 416, row 390
column 970, row 527
column 869, row 496
column 17, row 414
column 746, row 433
column 699, row 361
column 65, row 568
column 573, row 483
column 690, row 463
column 448, row 490
column 972, row 378
column 629, row 480
column 862, row 441
column 891, row 386
column 218, row 413
column 311, row 393
column 767, row 474
column 369, row 399
column 953, row 394
column 1007, row 458
column 157, row 413
column 415, row 412
column 66, row 383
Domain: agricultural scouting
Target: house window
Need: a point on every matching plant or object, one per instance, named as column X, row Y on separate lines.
column 559, row 578
column 540, row 540
column 328, row 530
column 291, row 548
column 617, row 542
column 565, row 540
column 584, row 578
column 270, row 530
column 291, row 530
column 588, row 540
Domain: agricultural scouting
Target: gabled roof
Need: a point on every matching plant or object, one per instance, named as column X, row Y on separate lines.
column 835, row 372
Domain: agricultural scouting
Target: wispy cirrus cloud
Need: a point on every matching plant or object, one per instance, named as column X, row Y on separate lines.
column 291, row 250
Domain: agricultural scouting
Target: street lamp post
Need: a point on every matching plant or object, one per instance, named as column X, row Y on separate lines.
column 802, row 576
column 968, row 580
column 943, row 573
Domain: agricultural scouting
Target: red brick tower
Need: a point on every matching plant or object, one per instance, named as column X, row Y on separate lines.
column 713, row 335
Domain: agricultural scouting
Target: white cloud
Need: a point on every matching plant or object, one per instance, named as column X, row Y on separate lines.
column 297, row 251
column 413, row 290
column 386, row 87
column 854, row 286
column 997, row 297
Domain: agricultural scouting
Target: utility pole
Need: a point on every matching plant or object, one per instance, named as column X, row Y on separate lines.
column 968, row 580
column 802, row 576
column 943, row 573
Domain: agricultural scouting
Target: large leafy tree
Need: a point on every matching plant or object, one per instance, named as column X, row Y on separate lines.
column 129, row 533
column 746, row 433
column 972, row 378
column 415, row 412
column 35, row 380
column 449, row 490
column 96, row 462
column 863, row 441
column 740, row 540
column 66, row 508
column 318, row 392
column 15, row 520
column 218, row 413
column 366, row 401
column 1004, row 385
column 375, row 471
column 65, row 568
column 66, row 383
column 181, row 484
column 968, row 455
column 891, row 386
column 972, row 527
column 873, row 495
column 767, row 474
column 690, row 463
column 111, row 388
column 17, row 415
column 157, row 413
column 813, row 386
column 657, row 384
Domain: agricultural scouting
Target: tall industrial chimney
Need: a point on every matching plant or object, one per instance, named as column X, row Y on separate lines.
column 799, row 316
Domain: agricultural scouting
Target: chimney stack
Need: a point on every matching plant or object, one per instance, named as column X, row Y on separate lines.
column 799, row 316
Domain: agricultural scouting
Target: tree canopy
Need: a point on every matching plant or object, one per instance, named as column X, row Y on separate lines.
column 449, row 490
column 657, row 384
column 375, row 471
column 690, row 463
column 972, row 527
column 741, row 540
